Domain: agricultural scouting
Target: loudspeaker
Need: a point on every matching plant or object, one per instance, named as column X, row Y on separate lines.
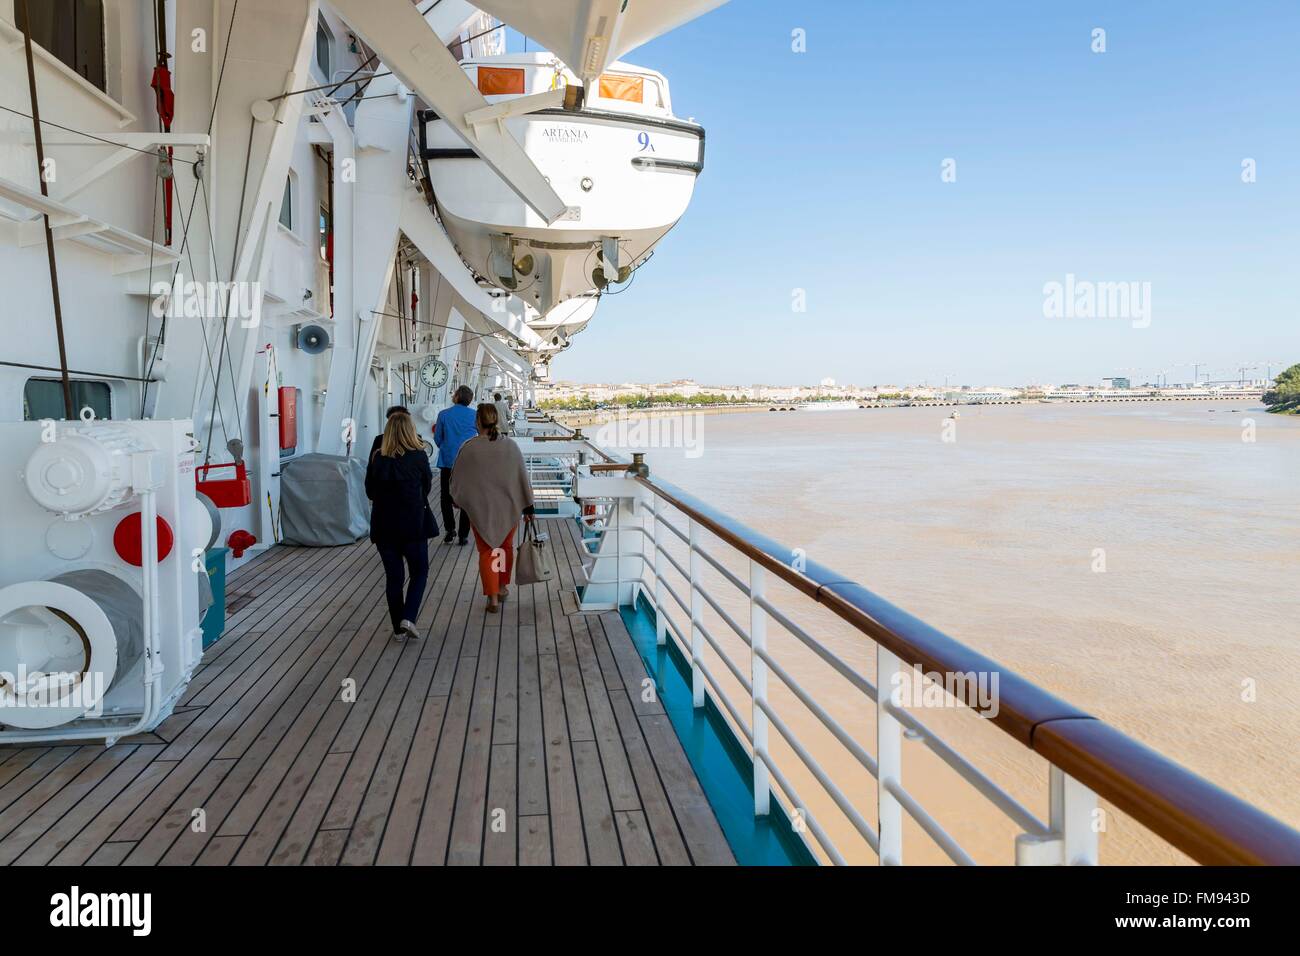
column 312, row 339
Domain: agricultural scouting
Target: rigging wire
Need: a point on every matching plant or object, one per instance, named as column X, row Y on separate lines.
column 207, row 348
column 221, row 75
column 216, row 271
column 224, row 348
column 436, row 325
column 153, row 223
column 148, row 302
column 332, row 86
column 45, row 217
column 194, row 197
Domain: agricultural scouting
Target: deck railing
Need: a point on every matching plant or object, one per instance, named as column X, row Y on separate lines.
column 1086, row 757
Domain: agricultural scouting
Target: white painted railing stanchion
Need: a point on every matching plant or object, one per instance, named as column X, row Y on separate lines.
column 758, row 684
column 1072, row 838
column 661, row 624
column 1073, row 812
column 697, row 614
column 889, row 761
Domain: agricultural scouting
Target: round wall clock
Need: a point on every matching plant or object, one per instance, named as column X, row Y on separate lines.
column 433, row 373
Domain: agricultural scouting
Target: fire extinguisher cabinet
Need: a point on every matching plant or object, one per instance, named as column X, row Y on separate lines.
column 288, row 418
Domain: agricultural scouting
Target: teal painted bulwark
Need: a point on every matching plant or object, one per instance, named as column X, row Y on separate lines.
column 720, row 761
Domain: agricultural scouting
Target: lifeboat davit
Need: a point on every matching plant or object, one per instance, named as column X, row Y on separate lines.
column 622, row 163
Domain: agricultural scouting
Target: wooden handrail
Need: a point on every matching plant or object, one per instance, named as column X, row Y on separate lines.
column 1194, row 815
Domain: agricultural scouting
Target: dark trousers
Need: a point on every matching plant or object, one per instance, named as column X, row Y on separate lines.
column 415, row 554
column 448, row 517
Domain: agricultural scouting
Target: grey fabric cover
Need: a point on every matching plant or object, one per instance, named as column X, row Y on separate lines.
column 121, row 605
column 323, row 501
column 205, row 592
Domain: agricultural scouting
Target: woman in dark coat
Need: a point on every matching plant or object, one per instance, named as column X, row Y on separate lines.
column 398, row 481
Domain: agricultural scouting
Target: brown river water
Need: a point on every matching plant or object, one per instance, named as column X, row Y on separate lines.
column 1188, row 640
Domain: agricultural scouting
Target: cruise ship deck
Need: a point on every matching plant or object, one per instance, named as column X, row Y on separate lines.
column 518, row 739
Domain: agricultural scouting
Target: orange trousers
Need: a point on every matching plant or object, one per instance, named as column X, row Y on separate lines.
column 494, row 566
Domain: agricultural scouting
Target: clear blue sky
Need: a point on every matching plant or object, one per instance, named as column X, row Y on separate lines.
column 823, row 173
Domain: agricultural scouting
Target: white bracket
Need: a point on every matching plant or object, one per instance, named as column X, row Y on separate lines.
column 500, row 112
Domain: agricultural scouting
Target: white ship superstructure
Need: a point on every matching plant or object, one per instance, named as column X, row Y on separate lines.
column 246, row 236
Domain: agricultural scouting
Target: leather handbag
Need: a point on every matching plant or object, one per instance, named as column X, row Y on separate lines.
column 534, row 564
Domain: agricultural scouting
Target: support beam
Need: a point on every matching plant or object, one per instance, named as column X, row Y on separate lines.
column 415, row 54
column 419, row 225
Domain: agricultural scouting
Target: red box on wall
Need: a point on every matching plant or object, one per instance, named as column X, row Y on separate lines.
column 288, row 417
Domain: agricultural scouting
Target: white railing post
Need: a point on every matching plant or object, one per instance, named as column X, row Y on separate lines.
column 697, row 615
column 1073, row 840
column 1073, row 811
column 661, row 625
column 889, row 760
column 758, row 681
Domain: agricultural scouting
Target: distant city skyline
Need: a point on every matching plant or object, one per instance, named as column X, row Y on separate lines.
column 830, row 382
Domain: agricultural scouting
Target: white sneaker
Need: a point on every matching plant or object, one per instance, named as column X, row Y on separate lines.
column 408, row 629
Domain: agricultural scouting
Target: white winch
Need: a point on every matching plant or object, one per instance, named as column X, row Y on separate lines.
column 96, row 639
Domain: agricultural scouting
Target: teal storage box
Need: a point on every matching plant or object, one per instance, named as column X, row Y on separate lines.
column 214, row 618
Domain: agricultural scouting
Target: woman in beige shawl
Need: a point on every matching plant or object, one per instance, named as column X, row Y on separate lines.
column 490, row 484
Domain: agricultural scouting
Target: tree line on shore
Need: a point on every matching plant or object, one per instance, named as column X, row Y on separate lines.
column 1284, row 396
column 583, row 403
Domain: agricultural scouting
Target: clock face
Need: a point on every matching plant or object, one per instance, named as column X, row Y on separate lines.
column 433, row 373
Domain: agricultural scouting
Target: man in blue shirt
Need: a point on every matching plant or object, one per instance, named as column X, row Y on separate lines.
column 454, row 427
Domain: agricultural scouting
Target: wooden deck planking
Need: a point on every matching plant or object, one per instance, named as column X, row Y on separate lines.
column 517, row 738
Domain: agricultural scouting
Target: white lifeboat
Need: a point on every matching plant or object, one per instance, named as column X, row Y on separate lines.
column 623, row 163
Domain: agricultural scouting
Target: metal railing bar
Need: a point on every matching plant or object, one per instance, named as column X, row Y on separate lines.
column 726, row 617
column 674, row 529
column 706, row 595
column 723, row 699
column 724, row 571
column 830, row 723
column 673, row 561
column 930, row 825
column 793, row 796
column 813, row 767
column 739, row 675
column 675, row 596
column 719, row 695
column 825, row 653
column 1008, row 804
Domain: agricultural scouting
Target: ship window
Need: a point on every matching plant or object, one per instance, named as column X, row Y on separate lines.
column 496, row 81
column 628, row 88
column 43, row 398
column 72, row 30
column 324, row 40
column 286, row 204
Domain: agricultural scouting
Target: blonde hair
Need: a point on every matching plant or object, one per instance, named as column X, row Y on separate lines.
column 488, row 420
column 399, row 436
